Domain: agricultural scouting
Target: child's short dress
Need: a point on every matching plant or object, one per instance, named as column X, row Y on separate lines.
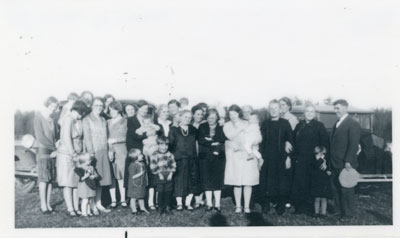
column 137, row 187
column 320, row 181
column 86, row 188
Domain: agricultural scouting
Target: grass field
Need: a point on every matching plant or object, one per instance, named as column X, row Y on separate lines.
column 374, row 207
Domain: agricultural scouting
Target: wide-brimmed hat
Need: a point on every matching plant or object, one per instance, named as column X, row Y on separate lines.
column 348, row 178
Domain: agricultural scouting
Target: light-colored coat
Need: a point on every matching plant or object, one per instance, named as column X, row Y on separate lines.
column 239, row 170
column 95, row 139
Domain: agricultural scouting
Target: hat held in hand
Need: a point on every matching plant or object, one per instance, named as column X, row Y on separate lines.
column 348, row 178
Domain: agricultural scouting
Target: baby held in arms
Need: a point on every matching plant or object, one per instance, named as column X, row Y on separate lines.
column 252, row 137
column 150, row 143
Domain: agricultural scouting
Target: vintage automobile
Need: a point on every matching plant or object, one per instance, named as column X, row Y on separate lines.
column 25, row 164
column 372, row 146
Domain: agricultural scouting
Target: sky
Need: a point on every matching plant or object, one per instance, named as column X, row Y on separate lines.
column 244, row 52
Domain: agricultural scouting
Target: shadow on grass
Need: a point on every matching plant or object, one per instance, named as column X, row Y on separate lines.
column 381, row 218
column 218, row 220
column 256, row 219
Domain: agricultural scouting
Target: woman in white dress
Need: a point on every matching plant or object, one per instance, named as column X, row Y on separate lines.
column 240, row 171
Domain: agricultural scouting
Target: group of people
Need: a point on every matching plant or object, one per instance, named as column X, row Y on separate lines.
column 153, row 155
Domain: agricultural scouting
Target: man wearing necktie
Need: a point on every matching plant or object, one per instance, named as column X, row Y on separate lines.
column 343, row 155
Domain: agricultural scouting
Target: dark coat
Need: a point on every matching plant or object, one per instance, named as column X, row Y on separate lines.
column 307, row 137
column 285, row 134
column 186, row 177
column 344, row 143
column 133, row 140
column 320, row 180
column 275, row 179
column 212, row 167
column 183, row 147
column 205, row 148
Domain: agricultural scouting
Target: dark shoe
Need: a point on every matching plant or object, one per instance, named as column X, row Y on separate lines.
column 209, row 208
column 179, row 208
column 72, row 213
column 134, row 213
column 238, row 210
column 113, row 205
column 124, row 204
column 247, row 210
column 47, row 212
column 189, row 208
column 218, row 209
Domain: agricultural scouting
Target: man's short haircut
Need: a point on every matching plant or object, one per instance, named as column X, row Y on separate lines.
column 174, row 101
column 184, row 100
column 72, row 96
column 273, row 101
column 341, row 102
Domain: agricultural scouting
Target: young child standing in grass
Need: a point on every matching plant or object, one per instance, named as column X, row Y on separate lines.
column 163, row 166
column 137, row 180
column 88, row 181
column 320, row 182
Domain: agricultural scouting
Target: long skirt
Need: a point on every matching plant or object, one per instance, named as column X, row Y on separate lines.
column 119, row 162
column 278, row 177
column 301, row 179
column 103, row 167
column 186, row 177
column 212, row 172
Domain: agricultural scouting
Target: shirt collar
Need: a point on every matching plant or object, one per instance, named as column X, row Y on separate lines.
column 343, row 117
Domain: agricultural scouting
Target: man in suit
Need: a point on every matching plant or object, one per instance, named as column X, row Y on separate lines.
column 343, row 155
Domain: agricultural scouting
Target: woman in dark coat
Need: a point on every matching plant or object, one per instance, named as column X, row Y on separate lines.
column 182, row 141
column 211, row 138
column 134, row 136
column 275, row 176
column 309, row 133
